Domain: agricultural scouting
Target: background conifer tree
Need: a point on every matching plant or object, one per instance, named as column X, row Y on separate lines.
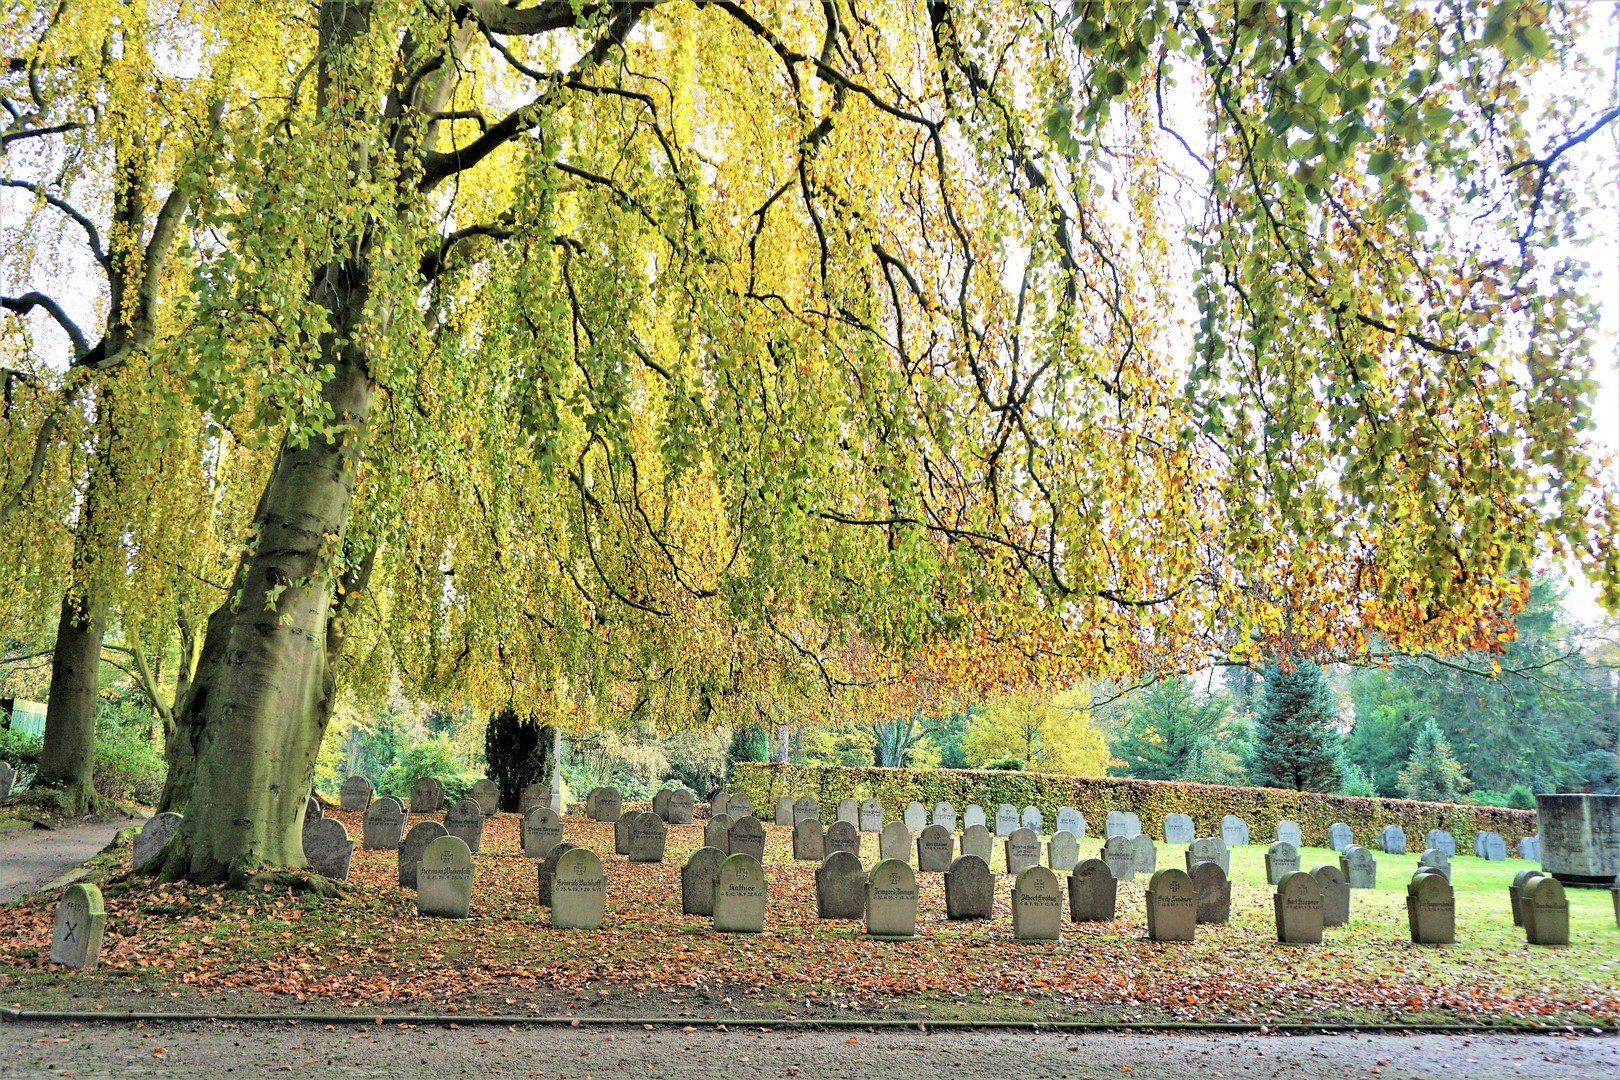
column 1296, row 741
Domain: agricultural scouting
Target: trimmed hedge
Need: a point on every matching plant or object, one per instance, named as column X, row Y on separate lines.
column 1151, row 800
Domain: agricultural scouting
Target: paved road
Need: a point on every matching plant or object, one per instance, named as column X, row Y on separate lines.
column 31, row 857
column 217, row 1049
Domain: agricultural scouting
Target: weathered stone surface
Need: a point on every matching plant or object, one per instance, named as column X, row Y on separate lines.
column 894, row 842
column 976, row 840
column 741, row 806
column 970, row 888
column 1443, row 842
column 1146, row 853
column 740, row 894
column 1392, row 840
column 383, row 827
column 1437, row 859
column 1289, row 832
column 678, row 807
column 1214, row 892
column 427, row 796
column 1335, row 895
column 1545, row 910
column 312, row 809
column 81, row 919
column 488, row 795
column 849, row 810
column 1282, row 859
column 1178, row 829
column 697, row 880
column 1093, row 892
column 578, row 889
column 871, row 816
column 1431, row 910
column 1298, row 908
column 944, row 816
column 621, row 833
column 1209, row 849
column 648, row 837
column 915, row 816
column 532, row 796
column 1172, row 906
column 841, row 836
column 1006, row 819
column 590, row 802
column 717, row 834
column 1340, row 837
column 1516, row 889
column 660, row 803
column 1492, row 847
column 466, row 820
column 1579, row 837
column 399, row 802
column 544, row 869
column 1530, row 848
column 1037, row 906
column 609, row 805
column 1359, row 867
column 973, row 814
column 1063, row 852
column 809, row 841
column 718, row 801
column 411, row 848
column 155, row 833
column 748, row 837
column 935, row 847
column 444, row 879
column 1071, row 821
column 1234, row 831
column 1032, row 820
column 8, row 779
column 1122, row 823
column 1022, row 850
column 784, row 811
column 542, row 831
column 891, row 900
column 327, row 847
column 806, row 808
column 355, row 794
column 840, row 886
column 1119, row 852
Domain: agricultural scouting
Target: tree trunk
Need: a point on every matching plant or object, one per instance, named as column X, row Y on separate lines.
column 67, row 759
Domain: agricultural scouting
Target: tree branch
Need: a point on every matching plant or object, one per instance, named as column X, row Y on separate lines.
column 27, row 302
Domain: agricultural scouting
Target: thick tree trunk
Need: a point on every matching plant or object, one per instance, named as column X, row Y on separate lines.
column 67, row 759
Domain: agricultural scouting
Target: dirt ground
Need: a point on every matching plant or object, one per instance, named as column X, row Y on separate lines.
column 31, row 857
column 215, row 1049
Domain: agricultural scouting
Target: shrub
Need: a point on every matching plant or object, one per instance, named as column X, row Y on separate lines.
column 1521, row 798
column 1005, row 764
column 434, row 756
column 21, row 752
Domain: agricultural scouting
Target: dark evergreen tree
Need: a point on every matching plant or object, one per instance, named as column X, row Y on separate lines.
column 1174, row 734
column 1381, row 742
column 1431, row 772
column 1296, row 743
column 518, row 751
column 749, row 742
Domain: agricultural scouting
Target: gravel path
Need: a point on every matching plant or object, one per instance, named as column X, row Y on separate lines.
column 31, row 857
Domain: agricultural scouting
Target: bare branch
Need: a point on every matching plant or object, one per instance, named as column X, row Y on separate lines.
column 27, row 302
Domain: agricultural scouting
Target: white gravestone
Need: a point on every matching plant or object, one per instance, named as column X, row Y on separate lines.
column 871, row 815
column 849, row 810
column 841, row 836
column 809, row 841
column 1282, row 859
column 944, row 816
column 1340, row 837
column 748, row 837
column 916, row 816
column 1209, row 849
column 1298, row 908
column 894, row 842
column 784, row 811
column 1178, row 829
column 1234, row 833
column 973, row 815
column 806, row 808
column 1120, row 855
column 1290, row 833
column 1032, row 820
column 542, row 831
column 1063, row 852
column 891, row 900
column 1022, row 850
column 488, row 796
column 1359, row 867
column 383, row 826
column 1006, row 819
column 578, row 890
column 444, row 879
column 1172, row 906
column 1037, row 906
column 1071, row 821
column 740, row 893
column 976, row 840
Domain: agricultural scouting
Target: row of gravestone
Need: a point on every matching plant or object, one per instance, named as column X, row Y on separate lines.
column 428, row 796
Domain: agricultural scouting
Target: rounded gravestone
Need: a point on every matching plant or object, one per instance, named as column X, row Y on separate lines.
column 1214, row 892
column 717, row 833
column 678, row 808
column 871, row 815
column 80, row 921
column 748, row 837
column 312, row 809
column 1392, row 840
column 809, row 841
column 1037, row 906
column 1545, row 911
column 784, row 811
column 1580, row 838
column 1437, row 859
column 578, row 890
column 544, row 869
column 697, row 880
column 1234, row 831
column 1178, row 829
column 841, row 835
column 465, row 820
column 542, row 831
column 1431, row 910
column 488, row 796
column 1340, row 837
column 648, row 836
column 608, row 805
column 891, row 900
column 411, row 848
column 1172, row 906
column 849, row 810
column 532, row 796
column 1119, row 852
column 1071, row 821
column 935, row 847
column 970, row 889
column 1021, row 850
column 1443, row 842
column 1335, row 895
column 976, row 840
column 1093, row 892
column 1063, row 852
column 355, row 794
column 383, row 827
column 945, row 816
column 841, row 887
column 444, row 879
column 1145, row 853
column 427, row 796
column 1209, row 849
column 1289, row 832
column 915, row 816
column 740, row 895
column 806, row 807
column 1006, row 819
column 973, row 815
column 1032, row 820
column 327, row 847
column 153, row 836
column 1282, row 859
column 894, row 842
column 1298, row 908
column 1359, row 867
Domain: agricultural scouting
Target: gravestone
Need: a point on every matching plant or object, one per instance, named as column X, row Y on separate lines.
column 609, row 806
column 1580, row 838
column 1234, row 832
column 809, row 844
column 1289, row 832
column 327, row 847
column 312, row 809
column 697, row 881
column 944, row 816
column 1146, row 854
column 427, row 796
column 1431, row 910
column 841, row 836
column 660, row 803
column 1214, row 891
column 805, row 808
column 717, row 802
column 891, row 900
column 1281, row 859
column 840, row 886
column 1037, row 906
column 1530, row 848
column 1071, row 821
column 976, row 840
column 542, row 831
column 81, row 919
column 973, row 815
column 399, row 802
column 1031, row 819
column 1335, row 895
column 1340, row 837
column 648, row 837
column 1093, row 892
column 1493, row 848
column 934, row 849
column 849, row 810
column 894, row 842
column 1133, row 825
column 717, row 833
column 784, row 812
column 156, row 832
column 1119, row 852
column 916, row 816
column 488, row 796
column 578, row 889
column 1117, row 823
column 1443, row 842
column 411, row 848
column 1178, row 829
column 1022, row 850
column 740, row 806
column 1545, row 910
column 1437, row 859
column 1392, row 840
column 1359, row 867
column 532, row 796
column 871, row 816
column 621, row 833
column 590, row 802
column 355, row 794
column 1063, row 852
column 1172, row 906
column 739, row 896
column 1006, row 819
column 970, row 888
column 8, row 779
column 1298, row 907
column 1209, row 849
column 748, row 838
column 678, row 808
column 383, row 825
column 466, row 820
column 1516, row 890
column 444, row 879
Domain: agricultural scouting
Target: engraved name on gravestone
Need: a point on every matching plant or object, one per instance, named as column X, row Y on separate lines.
column 153, row 835
column 444, row 879
column 488, row 796
column 1431, row 910
column 355, row 794
column 609, row 805
column 1281, row 859
column 717, row 833
column 1031, row 819
column 1133, row 825
column 894, row 842
column 841, row 836
column 1340, row 837
column 545, row 868
column 740, row 806
column 466, row 820
column 809, row 841
column 1209, row 849
column 542, row 831
column 1093, row 892
column 806, row 808
column 678, row 808
column 1146, row 853
column 1063, row 852
column 1515, row 890
column 578, row 890
column 327, row 847
column 840, row 887
column 1289, row 832
column 850, row 811
column 1115, row 824
column 697, row 881
column 532, row 796
column 891, row 900
column 915, row 816
column 1037, row 906
column 1359, row 867
column 976, row 840
column 1335, row 895
column 1119, row 852
column 1443, row 842
column 1437, row 859
column 1071, row 821
column 1546, row 912
column 1298, row 908
column 970, row 889
column 81, row 919
column 740, row 893
column 1172, row 906
column 1234, row 832
column 871, row 816
column 648, row 837
column 944, row 816
column 1006, row 819
column 427, row 796
column 1214, row 891
column 1178, row 829
column 973, row 815
column 1392, row 840
column 784, row 811
column 412, row 846
column 383, row 826
column 935, row 847
column 1022, row 849
column 748, row 837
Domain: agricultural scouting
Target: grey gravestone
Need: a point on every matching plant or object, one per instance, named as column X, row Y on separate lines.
column 1209, row 849
column 399, row 802
column 1479, row 839
column 976, row 840
column 1282, row 859
column 1431, row 910
column 741, row 806
column 697, row 881
column 609, row 805
column 621, row 833
column 840, row 887
column 1530, row 848
column 1289, row 833
column 1436, row 859
column 648, row 837
column 935, row 847
column 1340, row 837
column 542, row 831
column 916, row 816
column 717, row 833
column 1093, row 892
column 578, row 890
column 970, row 889
column 1392, row 840
column 327, row 847
column 1234, row 833
column 466, row 820
column 660, row 803
column 784, row 811
column 444, row 879
column 1172, row 906
column 355, row 794
column 427, row 796
column 383, row 826
column 809, row 843
column 1545, row 910
column 312, row 809
column 1116, row 824
column 849, row 810
column 748, row 837
column 678, row 808
column 1022, row 850
column 740, row 894
column 1516, row 889
column 1443, row 842
column 488, row 796
column 891, row 900
column 1146, row 852
column 1178, row 829
column 544, row 869
column 154, row 834
column 8, row 779
column 411, row 848
column 1006, row 819
column 1335, row 895
column 1359, row 867
column 1119, row 852
column 80, row 921
column 841, row 836
column 871, row 816
column 894, row 842
column 1063, row 852
column 973, row 815
column 944, row 816
column 1298, row 907
column 1031, row 819
column 1071, row 821
column 1037, row 906
column 532, row 796
column 1133, row 824
column 805, row 809
column 1494, row 848
column 1214, row 892
column 590, row 802
column 717, row 802
column 1580, row 838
